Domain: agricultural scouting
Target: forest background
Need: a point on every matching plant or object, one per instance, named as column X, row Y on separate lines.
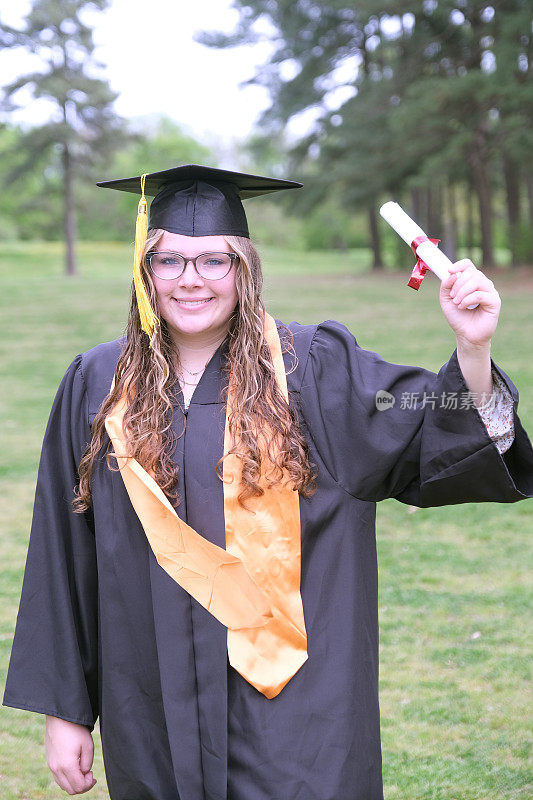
column 436, row 112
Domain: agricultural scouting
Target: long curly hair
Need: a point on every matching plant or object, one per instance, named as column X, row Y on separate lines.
column 262, row 423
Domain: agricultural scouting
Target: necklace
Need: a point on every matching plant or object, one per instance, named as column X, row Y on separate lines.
column 188, row 383
column 194, row 373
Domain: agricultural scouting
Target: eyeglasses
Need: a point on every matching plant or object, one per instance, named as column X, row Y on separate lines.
column 212, row 266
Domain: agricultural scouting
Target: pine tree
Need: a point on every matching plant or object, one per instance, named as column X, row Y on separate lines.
column 312, row 40
column 82, row 125
column 441, row 95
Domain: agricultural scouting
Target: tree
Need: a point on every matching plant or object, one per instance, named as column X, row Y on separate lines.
column 155, row 142
column 83, row 128
column 313, row 39
column 435, row 92
column 31, row 207
column 513, row 53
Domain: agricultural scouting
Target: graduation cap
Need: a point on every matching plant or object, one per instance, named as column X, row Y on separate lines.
column 192, row 200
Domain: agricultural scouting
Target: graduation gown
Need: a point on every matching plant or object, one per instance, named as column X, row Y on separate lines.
column 103, row 631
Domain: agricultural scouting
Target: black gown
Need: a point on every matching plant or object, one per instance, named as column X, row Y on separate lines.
column 103, row 631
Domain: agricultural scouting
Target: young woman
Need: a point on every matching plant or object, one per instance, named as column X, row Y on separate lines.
column 201, row 573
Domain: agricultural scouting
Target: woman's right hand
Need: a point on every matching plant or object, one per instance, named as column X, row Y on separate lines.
column 69, row 755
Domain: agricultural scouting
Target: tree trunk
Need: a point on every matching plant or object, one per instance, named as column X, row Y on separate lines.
column 469, row 228
column 511, row 173
column 481, row 179
column 69, row 217
column 434, row 211
column 449, row 245
column 375, row 238
column 416, row 206
column 427, row 212
column 529, row 187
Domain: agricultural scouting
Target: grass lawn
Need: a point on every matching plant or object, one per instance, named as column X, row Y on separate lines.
column 453, row 581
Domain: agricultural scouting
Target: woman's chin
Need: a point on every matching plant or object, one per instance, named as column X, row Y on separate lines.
column 191, row 325
column 190, row 328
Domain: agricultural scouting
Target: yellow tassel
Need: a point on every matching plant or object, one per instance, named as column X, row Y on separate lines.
column 146, row 313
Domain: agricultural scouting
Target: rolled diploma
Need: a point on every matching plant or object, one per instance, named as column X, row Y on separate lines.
column 409, row 230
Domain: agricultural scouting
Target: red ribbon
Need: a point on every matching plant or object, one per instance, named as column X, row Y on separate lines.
column 420, row 268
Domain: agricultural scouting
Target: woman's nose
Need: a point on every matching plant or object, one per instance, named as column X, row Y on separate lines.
column 189, row 276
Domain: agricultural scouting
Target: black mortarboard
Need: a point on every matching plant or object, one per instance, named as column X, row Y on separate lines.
column 192, row 200
column 200, row 201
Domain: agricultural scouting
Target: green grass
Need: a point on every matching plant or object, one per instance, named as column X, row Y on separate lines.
column 453, row 581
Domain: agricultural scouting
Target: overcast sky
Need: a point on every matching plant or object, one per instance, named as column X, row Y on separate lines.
column 155, row 65
column 153, row 62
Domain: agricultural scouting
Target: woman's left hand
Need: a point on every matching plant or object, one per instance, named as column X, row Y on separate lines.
column 465, row 286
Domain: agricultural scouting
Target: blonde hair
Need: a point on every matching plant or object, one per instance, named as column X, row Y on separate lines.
column 261, row 421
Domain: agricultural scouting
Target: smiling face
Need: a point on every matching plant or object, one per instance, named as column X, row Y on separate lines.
column 193, row 307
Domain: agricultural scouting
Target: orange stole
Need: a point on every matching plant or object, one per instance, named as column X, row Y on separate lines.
column 252, row 587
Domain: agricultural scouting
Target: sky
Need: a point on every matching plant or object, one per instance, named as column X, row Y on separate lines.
column 153, row 62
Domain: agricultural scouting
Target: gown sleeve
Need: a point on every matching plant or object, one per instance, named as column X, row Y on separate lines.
column 386, row 430
column 54, row 660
